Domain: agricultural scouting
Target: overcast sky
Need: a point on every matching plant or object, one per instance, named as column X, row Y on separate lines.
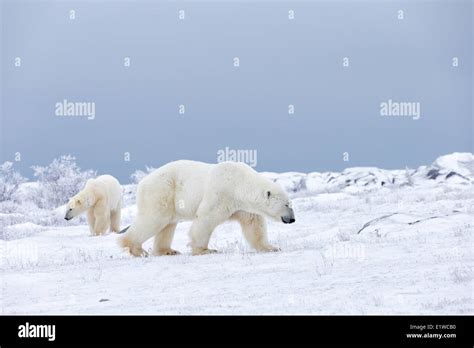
column 190, row 62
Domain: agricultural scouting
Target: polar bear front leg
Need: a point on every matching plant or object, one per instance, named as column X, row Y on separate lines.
column 200, row 233
column 254, row 228
column 102, row 220
column 163, row 239
column 91, row 221
column 115, row 219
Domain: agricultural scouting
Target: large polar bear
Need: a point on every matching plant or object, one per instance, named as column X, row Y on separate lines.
column 102, row 198
column 207, row 194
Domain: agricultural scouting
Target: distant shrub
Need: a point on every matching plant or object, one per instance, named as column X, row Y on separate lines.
column 138, row 175
column 10, row 180
column 59, row 181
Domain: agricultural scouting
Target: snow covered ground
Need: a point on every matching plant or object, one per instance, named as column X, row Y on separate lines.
column 365, row 241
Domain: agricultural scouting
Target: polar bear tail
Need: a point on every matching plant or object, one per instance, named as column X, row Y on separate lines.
column 125, row 229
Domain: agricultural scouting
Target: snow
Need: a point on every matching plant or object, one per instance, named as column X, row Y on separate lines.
column 415, row 257
column 462, row 163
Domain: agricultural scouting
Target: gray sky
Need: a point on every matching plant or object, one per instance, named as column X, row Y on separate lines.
column 190, row 62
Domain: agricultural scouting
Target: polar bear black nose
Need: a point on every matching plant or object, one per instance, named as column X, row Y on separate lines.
column 287, row 220
column 68, row 215
column 288, row 217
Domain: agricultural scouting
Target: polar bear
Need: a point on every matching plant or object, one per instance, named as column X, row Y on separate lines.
column 207, row 194
column 102, row 198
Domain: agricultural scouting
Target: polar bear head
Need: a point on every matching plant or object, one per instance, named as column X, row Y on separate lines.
column 77, row 205
column 274, row 202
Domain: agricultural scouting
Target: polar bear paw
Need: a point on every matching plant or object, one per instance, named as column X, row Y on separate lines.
column 134, row 249
column 167, row 252
column 269, row 248
column 203, row 251
column 138, row 252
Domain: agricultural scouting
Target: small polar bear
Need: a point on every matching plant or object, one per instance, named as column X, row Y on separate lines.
column 207, row 194
column 102, row 198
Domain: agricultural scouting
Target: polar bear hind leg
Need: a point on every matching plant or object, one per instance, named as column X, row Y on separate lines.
column 163, row 239
column 254, row 228
column 141, row 230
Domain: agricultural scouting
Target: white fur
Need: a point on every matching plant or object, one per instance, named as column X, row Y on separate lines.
column 207, row 194
column 102, row 199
